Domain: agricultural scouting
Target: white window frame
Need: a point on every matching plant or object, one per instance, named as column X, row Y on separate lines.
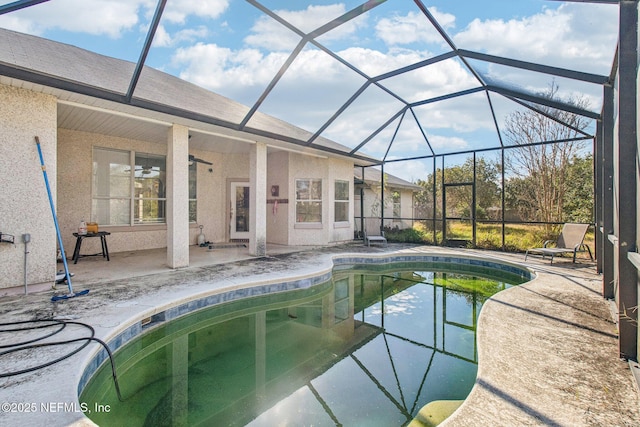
column 308, row 200
column 131, row 198
column 337, row 201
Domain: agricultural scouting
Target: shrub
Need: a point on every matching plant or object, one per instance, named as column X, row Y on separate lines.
column 408, row 235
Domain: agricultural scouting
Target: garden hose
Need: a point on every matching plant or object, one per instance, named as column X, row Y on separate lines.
column 59, row 325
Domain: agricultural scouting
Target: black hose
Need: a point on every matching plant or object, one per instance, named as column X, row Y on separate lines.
column 62, row 326
column 34, row 343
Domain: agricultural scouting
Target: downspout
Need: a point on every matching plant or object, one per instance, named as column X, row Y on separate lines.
column 435, row 192
column 362, row 205
column 503, row 201
column 382, row 199
column 26, row 238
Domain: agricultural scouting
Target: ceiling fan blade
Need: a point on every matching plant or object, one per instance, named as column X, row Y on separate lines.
column 195, row 159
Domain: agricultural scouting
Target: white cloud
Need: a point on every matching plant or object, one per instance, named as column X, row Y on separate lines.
column 314, row 17
column 576, row 36
column 227, row 71
column 269, row 34
column 189, row 35
column 413, row 27
column 162, row 38
column 434, row 80
column 449, row 142
column 110, row 17
column 96, row 17
column 364, row 117
column 177, row 11
column 410, row 170
column 375, row 62
column 20, row 24
column 533, row 34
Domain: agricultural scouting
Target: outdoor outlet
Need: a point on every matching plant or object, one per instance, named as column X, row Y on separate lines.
column 26, row 238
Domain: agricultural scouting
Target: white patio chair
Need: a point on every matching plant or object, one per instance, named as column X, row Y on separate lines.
column 372, row 232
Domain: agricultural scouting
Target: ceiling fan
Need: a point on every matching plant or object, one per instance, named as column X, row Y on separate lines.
column 146, row 169
column 192, row 159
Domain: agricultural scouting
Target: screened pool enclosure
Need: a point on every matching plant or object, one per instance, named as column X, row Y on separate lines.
column 482, row 104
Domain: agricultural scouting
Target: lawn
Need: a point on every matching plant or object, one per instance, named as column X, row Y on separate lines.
column 518, row 237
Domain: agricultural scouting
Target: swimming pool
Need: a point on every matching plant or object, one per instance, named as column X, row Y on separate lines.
column 371, row 343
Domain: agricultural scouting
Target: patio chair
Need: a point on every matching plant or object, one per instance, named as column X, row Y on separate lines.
column 372, row 232
column 570, row 240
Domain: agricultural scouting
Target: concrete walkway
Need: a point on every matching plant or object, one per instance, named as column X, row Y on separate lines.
column 547, row 349
column 548, row 355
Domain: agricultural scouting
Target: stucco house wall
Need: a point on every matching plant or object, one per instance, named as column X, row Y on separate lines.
column 301, row 167
column 75, row 174
column 69, row 158
column 406, row 211
column 23, row 196
column 277, row 214
column 340, row 231
column 211, row 193
column 372, row 206
column 75, row 154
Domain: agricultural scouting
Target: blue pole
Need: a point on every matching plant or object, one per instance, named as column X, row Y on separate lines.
column 55, row 219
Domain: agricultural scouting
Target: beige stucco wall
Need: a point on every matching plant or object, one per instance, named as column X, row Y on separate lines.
column 339, row 170
column 75, row 156
column 371, row 199
column 75, row 153
column 406, row 210
column 212, row 192
column 277, row 215
column 68, row 154
column 328, row 170
column 24, row 204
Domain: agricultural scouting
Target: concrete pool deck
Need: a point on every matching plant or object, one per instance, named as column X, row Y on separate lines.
column 547, row 349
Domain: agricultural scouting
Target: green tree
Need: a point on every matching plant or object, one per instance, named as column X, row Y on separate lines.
column 425, row 199
column 578, row 206
column 459, row 199
column 487, row 189
column 544, row 168
column 519, row 197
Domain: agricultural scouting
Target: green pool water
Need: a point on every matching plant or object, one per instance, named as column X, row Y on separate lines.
column 364, row 349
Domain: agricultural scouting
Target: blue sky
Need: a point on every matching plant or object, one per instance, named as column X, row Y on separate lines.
column 232, row 48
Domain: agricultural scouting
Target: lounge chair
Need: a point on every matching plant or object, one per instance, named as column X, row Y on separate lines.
column 570, row 240
column 372, row 232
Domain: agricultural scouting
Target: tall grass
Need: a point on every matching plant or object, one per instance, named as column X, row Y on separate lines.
column 518, row 237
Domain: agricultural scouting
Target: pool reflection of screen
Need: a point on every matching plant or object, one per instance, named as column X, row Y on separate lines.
column 251, row 357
